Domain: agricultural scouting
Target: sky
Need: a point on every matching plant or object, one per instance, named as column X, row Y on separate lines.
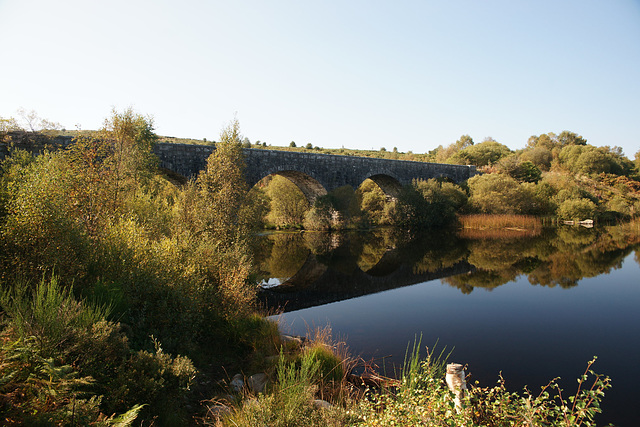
column 349, row 73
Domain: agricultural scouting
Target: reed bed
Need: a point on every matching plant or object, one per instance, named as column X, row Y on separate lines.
column 499, row 226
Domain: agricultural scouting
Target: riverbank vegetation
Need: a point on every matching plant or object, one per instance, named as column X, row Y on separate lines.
column 128, row 296
column 120, row 288
column 554, row 176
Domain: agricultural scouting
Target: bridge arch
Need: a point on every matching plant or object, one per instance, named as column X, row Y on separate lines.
column 310, row 187
column 389, row 185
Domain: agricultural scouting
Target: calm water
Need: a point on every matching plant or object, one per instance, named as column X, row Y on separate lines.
column 531, row 307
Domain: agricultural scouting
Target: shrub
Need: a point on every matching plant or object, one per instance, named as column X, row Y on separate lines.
column 422, row 398
column 50, row 316
column 576, row 209
column 59, row 355
column 429, row 204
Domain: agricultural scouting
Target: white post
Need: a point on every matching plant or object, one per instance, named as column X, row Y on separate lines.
column 456, row 383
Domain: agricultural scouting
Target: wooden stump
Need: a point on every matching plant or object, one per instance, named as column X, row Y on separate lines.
column 456, row 382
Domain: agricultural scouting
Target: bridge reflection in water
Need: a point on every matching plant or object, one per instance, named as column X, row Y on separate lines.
column 350, row 266
column 557, row 298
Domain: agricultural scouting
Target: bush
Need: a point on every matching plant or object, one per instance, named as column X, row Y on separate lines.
column 423, row 399
column 576, row 209
column 500, row 194
column 429, row 204
column 59, row 356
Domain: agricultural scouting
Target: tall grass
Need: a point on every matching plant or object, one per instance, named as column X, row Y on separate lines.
column 499, row 226
column 525, row 222
column 50, row 315
column 291, row 402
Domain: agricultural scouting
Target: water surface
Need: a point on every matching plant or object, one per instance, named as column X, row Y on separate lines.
column 532, row 307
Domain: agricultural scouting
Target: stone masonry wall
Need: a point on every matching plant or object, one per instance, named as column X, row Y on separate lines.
column 328, row 170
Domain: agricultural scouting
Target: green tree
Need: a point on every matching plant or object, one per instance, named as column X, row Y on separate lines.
column 587, row 159
column 500, row 194
column 429, row 204
column 131, row 136
column 539, row 156
column 527, row 172
column 464, row 142
column 483, row 154
column 570, row 138
column 288, row 205
column 222, row 190
column 372, row 202
column 577, row 209
column 8, row 125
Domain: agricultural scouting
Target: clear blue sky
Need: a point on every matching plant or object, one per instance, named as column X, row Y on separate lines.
column 358, row 74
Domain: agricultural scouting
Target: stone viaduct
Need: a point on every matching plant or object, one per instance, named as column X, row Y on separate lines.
column 315, row 174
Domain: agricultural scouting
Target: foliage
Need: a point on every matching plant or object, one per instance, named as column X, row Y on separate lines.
column 54, row 355
column 172, row 262
column 8, row 125
column 587, row 159
column 496, row 405
column 429, row 204
column 578, row 209
column 322, row 215
column 291, row 402
column 423, row 399
column 521, row 171
column 501, row 194
column 39, row 232
column 288, row 205
column 222, row 190
column 131, row 138
column 372, row 202
column 541, row 157
column 487, row 152
column 50, row 316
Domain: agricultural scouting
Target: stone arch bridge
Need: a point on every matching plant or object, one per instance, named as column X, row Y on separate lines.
column 315, row 174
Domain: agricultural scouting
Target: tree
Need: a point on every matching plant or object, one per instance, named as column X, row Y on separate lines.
column 500, row 194
column 288, row 204
column 292, row 144
column 576, row 209
column 132, row 138
column 464, row 142
column 8, row 125
column 570, row 138
column 224, row 214
column 587, row 159
column 429, row 204
column 36, row 123
column 546, row 140
column 539, row 156
column 522, row 171
column 485, row 153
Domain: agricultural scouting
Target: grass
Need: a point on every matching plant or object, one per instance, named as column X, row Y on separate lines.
column 420, row 397
column 499, row 226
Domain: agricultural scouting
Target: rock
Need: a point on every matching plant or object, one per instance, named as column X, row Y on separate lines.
column 289, row 338
column 321, row 404
column 272, row 359
column 217, row 410
column 257, row 382
column 237, row 383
